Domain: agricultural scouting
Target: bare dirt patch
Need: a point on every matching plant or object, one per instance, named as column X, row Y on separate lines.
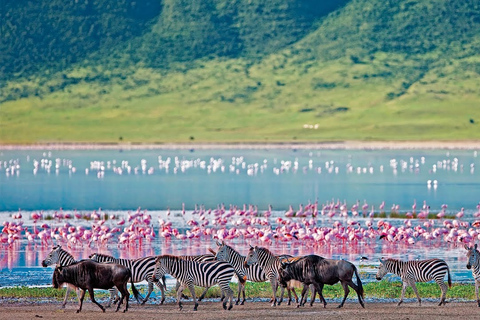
column 251, row 310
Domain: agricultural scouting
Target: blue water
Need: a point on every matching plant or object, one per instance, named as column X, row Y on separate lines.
column 260, row 177
column 158, row 180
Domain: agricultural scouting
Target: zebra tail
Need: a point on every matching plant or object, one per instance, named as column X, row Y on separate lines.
column 136, row 294
column 241, row 279
column 449, row 278
column 359, row 283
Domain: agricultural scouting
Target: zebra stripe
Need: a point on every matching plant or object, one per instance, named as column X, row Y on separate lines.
column 62, row 258
column 270, row 264
column 473, row 263
column 190, row 273
column 198, row 258
column 417, row 271
column 58, row 256
column 253, row 273
column 142, row 269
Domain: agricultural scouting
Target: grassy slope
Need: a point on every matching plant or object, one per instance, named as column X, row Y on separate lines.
column 336, row 77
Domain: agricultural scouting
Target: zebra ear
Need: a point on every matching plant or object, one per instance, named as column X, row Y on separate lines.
column 382, row 260
column 467, row 247
column 250, row 246
column 223, row 242
column 218, row 243
column 475, row 246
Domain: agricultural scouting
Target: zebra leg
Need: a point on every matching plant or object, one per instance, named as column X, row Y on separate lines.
column 113, row 297
column 241, row 288
column 274, row 283
column 228, row 292
column 477, row 284
column 404, row 288
column 177, row 285
column 414, row 287
column 191, row 287
column 150, row 289
column 444, row 289
column 243, row 291
column 162, row 289
column 179, row 295
column 204, row 293
column 66, row 296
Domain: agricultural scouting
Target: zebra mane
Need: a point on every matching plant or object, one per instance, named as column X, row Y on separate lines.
column 264, row 250
column 169, row 256
column 102, row 255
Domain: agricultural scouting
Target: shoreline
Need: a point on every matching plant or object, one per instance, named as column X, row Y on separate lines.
column 338, row 145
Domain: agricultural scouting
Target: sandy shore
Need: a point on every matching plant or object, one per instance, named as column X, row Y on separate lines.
column 342, row 145
column 251, row 310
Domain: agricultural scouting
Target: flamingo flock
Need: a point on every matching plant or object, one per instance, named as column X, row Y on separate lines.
column 311, row 224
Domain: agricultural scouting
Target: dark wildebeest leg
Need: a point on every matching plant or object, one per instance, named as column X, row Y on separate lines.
column 302, row 296
column 125, row 295
column 80, row 300
column 319, row 289
column 346, row 292
column 92, row 297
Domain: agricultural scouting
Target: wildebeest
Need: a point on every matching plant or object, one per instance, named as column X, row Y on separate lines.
column 87, row 275
column 316, row 270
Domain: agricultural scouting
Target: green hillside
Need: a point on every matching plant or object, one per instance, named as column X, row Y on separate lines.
column 239, row 71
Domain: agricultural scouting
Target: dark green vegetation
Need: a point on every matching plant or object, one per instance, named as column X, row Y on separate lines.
column 239, row 71
column 383, row 290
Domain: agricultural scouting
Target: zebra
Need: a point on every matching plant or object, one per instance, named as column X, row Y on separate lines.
column 190, row 273
column 417, row 271
column 270, row 264
column 253, row 273
column 474, row 263
column 198, row 258
column 142, row 269
column 61, row 258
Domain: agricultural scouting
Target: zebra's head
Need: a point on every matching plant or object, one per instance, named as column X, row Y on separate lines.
column 252, row 256
column 53, row 257
column 93, row 256
column 160, row 269
column 222, row 254
column 473, row 256
column 382, row 270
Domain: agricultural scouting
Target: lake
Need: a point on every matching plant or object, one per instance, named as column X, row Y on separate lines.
column 174, row 185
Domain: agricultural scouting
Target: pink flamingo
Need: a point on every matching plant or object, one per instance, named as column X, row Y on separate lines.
column 290, row 212
column 460, row 214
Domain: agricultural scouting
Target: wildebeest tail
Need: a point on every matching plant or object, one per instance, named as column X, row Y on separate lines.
column 136, row 294
column 359, row 282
